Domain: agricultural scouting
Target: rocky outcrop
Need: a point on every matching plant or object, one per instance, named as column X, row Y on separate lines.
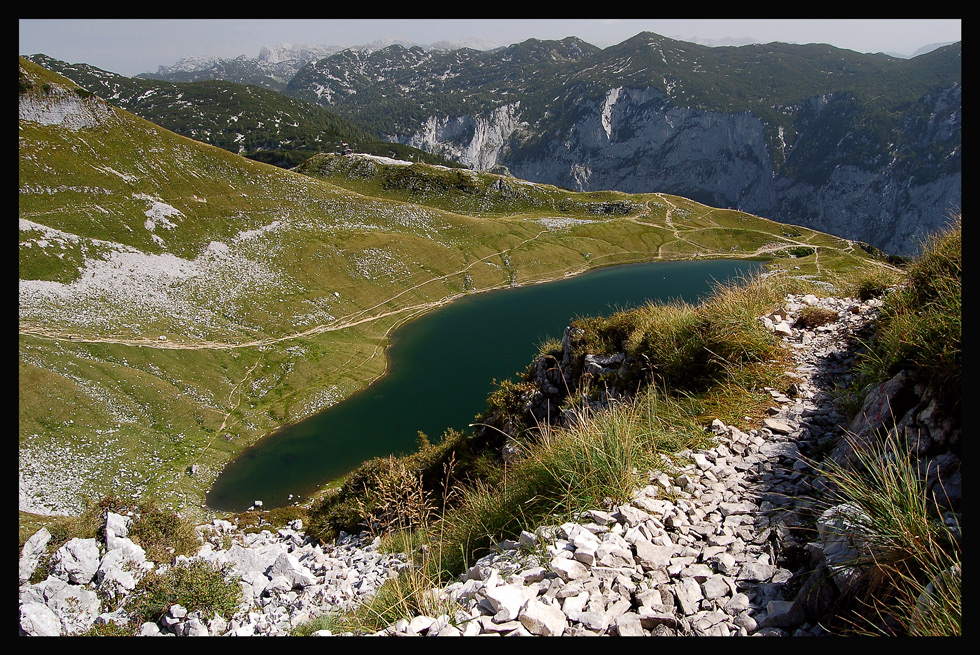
column 911, row 414
column 286, row 579
column 67, row 601
column 67, row 108
column 475, row 141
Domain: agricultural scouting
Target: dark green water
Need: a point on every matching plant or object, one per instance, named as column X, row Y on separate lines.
column 441, row 370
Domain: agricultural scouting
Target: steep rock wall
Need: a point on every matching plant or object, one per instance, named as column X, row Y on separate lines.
column 829, row 176
column 475, row 141
column 636, row 141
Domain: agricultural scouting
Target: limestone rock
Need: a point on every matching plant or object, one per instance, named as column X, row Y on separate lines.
column 36, row 620
column 542, row 619
column 31, row 553
column 76, row 561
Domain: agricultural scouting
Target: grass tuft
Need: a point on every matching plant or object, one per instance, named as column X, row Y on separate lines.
column 912, row 558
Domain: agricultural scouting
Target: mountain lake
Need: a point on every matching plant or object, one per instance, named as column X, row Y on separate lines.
column 441, row 369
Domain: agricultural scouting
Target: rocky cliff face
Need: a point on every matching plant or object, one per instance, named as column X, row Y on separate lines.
column 635, row 140
column 475, row 141
column 830, row 179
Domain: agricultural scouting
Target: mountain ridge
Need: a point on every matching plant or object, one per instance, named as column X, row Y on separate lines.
column 551, row 124
column 245, row 119
column 275, row 65
column 866, row 146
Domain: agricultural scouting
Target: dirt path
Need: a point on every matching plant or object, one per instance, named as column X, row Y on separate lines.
column 233, row 405
column 365, row 316
column 353, row 320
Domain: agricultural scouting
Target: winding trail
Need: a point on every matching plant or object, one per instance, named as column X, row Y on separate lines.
column 231, row 394
column 365, row 316
column 233, row 404
column 353, row 320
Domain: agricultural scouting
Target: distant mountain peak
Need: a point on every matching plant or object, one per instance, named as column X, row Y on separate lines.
column 186, row 64
column 294, row 56
column 714, row 43
column 285, row 52
column 930, row 47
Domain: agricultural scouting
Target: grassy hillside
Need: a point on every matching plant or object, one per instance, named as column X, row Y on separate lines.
column 248, row 120
column 177, row 302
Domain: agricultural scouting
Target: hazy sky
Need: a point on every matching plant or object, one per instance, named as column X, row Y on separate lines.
column 132, row 46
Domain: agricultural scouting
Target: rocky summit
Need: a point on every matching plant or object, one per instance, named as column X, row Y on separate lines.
column 728, row 541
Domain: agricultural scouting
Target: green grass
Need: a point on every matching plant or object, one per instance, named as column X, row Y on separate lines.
column 323, row 622
column 452, row 501
column 921, row 328
column 911, row 561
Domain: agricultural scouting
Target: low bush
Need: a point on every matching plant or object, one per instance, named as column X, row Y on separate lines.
column 801, row 251
column 162, row 533
column 110, row 629
column 370, row 498
column 196, row 585
column 812, row 317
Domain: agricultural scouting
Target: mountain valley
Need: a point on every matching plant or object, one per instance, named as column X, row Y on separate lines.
column 178, row 301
